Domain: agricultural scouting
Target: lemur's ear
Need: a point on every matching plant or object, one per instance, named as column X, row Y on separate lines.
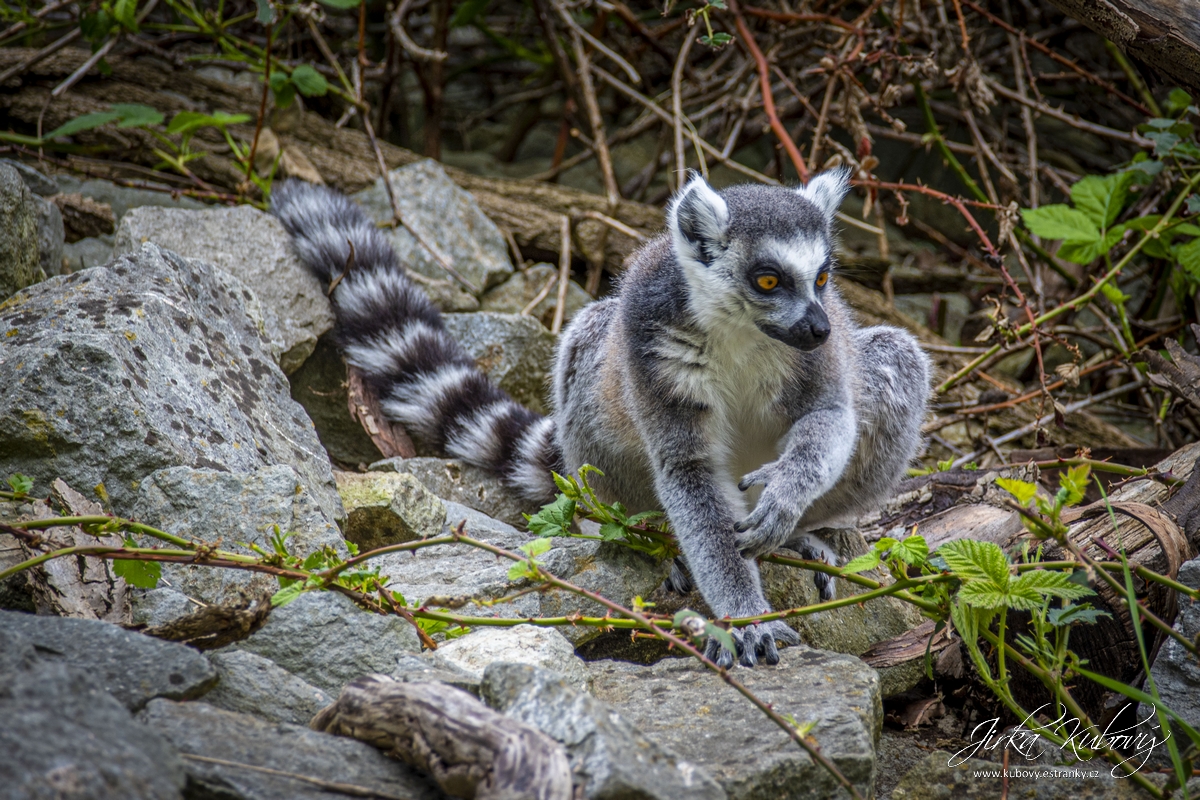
column 827, row 190
column 698, row 219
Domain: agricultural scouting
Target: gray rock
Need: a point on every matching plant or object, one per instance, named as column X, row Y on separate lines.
column 462, row 571
column 65, row 737
column 445, row 215
column 242, row 509
column 325, row 639
column 19, row 261
column 385, row 508
column 94, row 251
column 253, row 247
column 1175, row 671
column 521, row 644
column 464, row 484
column 690, row 711
column 447, row 296
column 155, row 607
column 38, row 183
column 610, row 757
column 426, row 667
column 515, row 352
column 202, row 730
column 51, row 237
column 512, row 296
column 122, row 199
column 131, row 667
column 320, row 386
column 251, row 684
column 112, row 373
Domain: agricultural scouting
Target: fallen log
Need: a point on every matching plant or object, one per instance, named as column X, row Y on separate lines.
column 470, row 750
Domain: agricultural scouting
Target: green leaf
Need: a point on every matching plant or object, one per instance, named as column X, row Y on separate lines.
column 867, row 561
column 1067, row 615
column 716, row 40
column 972, row 560
column 82, row 123
column 266, row 14
column 1188, row 256
column 309, row 82
column 1049, row 583
column 721, row 635
column 136, row 115
column 641, row 517
column 341, row 3
column 1193, row 204
column 287, row 594
column 96, row 26
column 536, row 547
column 911, row 550
column 611, row 531
column 684, row 614
column 982, row 594
column 1075, row 480
column 1087, row 252
column 1060, row 222
column 554, row 519
column 1102, row 198
column 142, row 574
column 468, row 11
column 1178, row 101
column 125, row 12
column 20, row 484
column 1024, row 491
column 566, row 485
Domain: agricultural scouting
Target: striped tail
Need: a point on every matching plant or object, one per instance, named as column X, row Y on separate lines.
column 390, row 331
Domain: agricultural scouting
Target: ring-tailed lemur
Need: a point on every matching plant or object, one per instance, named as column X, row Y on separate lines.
column 726, row 360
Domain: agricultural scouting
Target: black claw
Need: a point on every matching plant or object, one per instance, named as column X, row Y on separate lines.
column 741, row 527
column 771, row 652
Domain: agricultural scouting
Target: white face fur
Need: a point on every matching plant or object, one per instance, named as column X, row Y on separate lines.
column 759, row 256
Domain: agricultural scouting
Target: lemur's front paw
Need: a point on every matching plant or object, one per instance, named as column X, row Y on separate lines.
column 754, row 643
column 774, row 519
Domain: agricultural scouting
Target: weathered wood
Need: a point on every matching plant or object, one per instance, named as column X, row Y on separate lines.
column 390, row 437
column 470, row 750
column 1165, row 34
column 1181, row 375
column 215, row 626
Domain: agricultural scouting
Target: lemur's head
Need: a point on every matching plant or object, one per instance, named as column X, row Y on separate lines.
column 760, row 253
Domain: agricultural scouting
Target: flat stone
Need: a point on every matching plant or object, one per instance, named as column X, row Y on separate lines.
column 326, row 640
column 201, row 730
column 19, row 212
column 252, row 246
column 131, row 667
column 445, row 215
column 515, row 352
column 516, row 293
column 63, row 736
column 385, row 508
column 90, row 252
column 153, row 361
column 251, row 684
column 464, row 484
column 610, row 757
column 522, row 644
column 690, row 711
column 241, row 509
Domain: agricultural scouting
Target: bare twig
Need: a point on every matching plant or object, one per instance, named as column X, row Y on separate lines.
column 564, row 275
column 414, row 50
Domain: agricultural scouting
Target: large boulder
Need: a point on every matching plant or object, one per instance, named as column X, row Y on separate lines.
column 473, row 653
column 253, row 247
column 64, row 736
column 515, row 352
column 691, row 712
column 444, row 215
column 20, row 263
column 152, row 361
column 1175, row 671
column 325, row 639
column 131, row 667
column 227, row 747
column 467, row 573
column 238, row 509
column 610, row 758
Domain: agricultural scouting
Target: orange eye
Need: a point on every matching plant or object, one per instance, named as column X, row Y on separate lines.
column 767, row 282
column 822, row 279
